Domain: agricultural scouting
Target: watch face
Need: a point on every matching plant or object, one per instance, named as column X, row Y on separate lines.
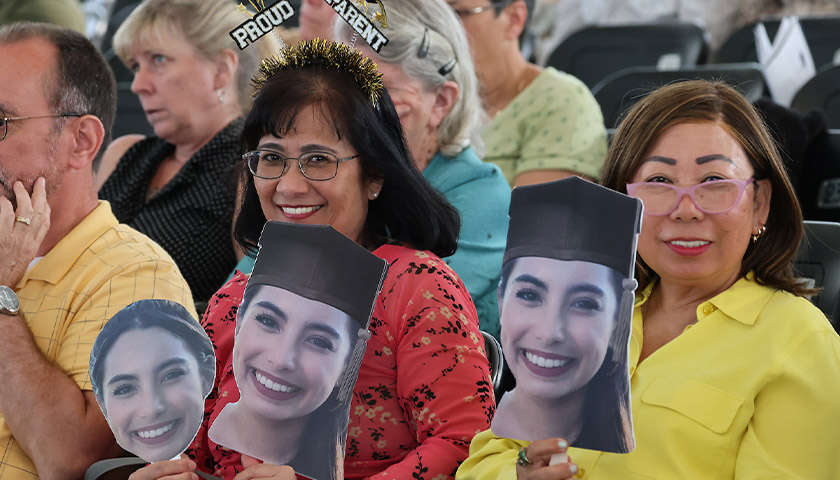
column 8, row 299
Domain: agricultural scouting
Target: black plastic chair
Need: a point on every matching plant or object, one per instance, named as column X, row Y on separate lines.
column 818, row 259
column 621, row 90
column 594, row 52
column 496, row 359
column 821, row 33
column 130, row 117
column 120, row 10
column 821, row 92
column 114, row 468
column 122, row 468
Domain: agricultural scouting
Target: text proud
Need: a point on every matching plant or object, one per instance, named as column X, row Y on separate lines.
column 262, row 23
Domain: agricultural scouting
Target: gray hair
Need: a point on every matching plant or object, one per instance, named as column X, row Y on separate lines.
column 204, row 24
column 408, row 22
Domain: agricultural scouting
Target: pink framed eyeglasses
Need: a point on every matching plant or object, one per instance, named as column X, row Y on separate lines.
column 717, row 196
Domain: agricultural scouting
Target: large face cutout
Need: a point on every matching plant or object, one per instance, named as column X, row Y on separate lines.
column 154, row 408
column 152, row 371
column 557, row 321
column 289, row 354
column 290, row 358
column 300, row 338
column 559, row 336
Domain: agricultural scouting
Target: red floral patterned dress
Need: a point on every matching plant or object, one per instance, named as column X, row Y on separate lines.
column 424, row 385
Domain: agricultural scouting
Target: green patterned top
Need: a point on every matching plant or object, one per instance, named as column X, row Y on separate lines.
column 554, row 123
column 66, row 13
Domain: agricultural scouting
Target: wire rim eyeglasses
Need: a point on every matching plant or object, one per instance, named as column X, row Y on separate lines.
column 712, row 198
column 466, row 12
column 4, row 120
column 270, row 165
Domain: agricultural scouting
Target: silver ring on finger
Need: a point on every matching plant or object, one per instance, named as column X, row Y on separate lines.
column 522, row 459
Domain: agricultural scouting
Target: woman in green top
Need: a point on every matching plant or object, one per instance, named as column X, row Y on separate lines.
column 545, row 124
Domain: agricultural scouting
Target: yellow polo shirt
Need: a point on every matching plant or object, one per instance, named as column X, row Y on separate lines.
column 100, row 267
column 751, row 391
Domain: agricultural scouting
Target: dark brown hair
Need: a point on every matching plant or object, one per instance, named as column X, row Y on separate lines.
column 716, row 102
column 408, row 209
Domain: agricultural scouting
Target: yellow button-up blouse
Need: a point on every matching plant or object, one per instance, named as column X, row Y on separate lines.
column 751, row 391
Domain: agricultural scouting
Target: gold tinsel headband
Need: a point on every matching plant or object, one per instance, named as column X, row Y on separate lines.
column 324, row 52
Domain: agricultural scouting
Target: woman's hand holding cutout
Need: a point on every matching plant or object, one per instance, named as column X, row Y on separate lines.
column 539, row 453
column 255, row 470
column 181, row 469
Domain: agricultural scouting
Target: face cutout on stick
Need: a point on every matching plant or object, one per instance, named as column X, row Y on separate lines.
column 566, row 302
column 152, row 366
column 301, row 332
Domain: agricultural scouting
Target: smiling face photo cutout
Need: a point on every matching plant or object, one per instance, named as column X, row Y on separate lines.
column 566, row 299
column 301, row 332
column 290, row 353
column 151, row 367
column 558, row 318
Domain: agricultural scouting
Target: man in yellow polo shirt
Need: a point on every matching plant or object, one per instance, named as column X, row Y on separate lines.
column 66, row 264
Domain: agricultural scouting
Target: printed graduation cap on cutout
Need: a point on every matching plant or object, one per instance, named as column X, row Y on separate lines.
column 573, row 219
column 557, row 311
column 311, row 271
column 317, row 262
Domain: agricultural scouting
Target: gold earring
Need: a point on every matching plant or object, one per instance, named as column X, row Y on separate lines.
column 760, row 231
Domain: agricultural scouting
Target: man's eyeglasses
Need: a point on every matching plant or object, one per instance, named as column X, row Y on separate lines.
column 268, row 165
column 4, row 120
column 717, row 196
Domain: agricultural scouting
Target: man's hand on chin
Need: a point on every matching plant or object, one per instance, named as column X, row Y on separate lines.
column 22, row 230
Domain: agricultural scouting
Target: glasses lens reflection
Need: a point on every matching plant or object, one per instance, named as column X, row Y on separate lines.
column 270, row 165
column 711, row 197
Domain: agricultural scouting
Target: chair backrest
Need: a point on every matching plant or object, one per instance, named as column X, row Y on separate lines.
column 828, row 175
column 120, row 10
column 621, row 90
column 821, row 33
column 496, row 359
column 594, row 52
column 122, row 468
column 821, row 92
column 114, row 468
column 818, row 259
column 130, row 116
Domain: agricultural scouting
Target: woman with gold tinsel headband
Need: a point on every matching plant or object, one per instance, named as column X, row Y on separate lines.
column 429, row 73
column 326, row 147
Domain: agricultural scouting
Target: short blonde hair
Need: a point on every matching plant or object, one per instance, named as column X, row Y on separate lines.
column 204, row 24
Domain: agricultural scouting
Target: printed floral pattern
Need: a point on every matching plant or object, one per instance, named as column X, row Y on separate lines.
column 424, row 385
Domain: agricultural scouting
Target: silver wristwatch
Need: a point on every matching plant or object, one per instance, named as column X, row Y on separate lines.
column 9, row 304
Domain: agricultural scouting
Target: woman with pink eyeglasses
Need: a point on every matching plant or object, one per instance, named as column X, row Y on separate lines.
column 734, row 373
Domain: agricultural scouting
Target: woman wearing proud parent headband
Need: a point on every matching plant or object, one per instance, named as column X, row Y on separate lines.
column 326, row 148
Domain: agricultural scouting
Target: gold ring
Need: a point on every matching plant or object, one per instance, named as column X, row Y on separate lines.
column 24, row 220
